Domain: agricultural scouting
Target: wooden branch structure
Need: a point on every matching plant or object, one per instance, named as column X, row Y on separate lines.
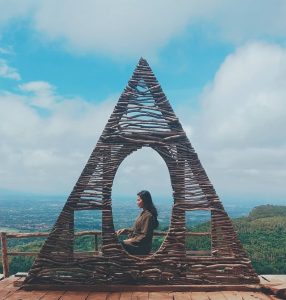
column 143, row 117
column 5, row 253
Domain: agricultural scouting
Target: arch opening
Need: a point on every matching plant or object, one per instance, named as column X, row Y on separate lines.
column 144, row 169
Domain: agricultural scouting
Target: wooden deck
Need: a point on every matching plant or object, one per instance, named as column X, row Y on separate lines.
column 9, row 291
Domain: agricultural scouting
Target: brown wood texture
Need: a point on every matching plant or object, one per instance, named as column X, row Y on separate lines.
column 160, row 296
column 53, row 295
column 234, row 295
column 143, row 117
column 98, row 296
column 75, row 295
column 7, row 287
column 199, row 296
column 5, row 262
column 127, row 296
column 25, row 295
column 275, row 284
column 145, row 288
column 216, row 296
column 253, row 296
column 113, row 296
column 95, row 233
column 9, row 291
column 140, row 296
column 181, row 296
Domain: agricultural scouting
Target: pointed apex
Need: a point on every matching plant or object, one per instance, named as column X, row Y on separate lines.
column 143, row 62
column 143, row 72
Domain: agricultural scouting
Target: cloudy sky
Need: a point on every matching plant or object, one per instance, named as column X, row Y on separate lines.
column 221, row 63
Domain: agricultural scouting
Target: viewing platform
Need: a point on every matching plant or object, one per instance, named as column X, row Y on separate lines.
column 271, row 287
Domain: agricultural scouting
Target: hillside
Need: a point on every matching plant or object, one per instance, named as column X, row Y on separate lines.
column 262, row 232
column 265, row 211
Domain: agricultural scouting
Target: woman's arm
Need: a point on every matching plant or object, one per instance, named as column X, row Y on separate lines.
column 123, row 231
column 146, row 228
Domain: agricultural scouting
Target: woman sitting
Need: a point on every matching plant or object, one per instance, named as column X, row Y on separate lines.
column 139, row 241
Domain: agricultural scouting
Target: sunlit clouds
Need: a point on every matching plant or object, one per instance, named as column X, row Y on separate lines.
column 235, row 117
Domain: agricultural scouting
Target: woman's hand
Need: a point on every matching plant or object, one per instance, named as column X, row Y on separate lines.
column 127, row 241
column 121, row 231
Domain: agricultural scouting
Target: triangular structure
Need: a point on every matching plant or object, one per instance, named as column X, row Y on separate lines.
column 143, row 117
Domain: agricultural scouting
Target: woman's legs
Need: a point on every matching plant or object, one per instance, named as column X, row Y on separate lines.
column 134, row 250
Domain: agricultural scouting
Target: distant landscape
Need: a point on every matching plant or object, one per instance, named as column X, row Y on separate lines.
column 261, row 229
column 39, row 213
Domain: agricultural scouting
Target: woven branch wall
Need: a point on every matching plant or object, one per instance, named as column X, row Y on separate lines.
column 143, row 117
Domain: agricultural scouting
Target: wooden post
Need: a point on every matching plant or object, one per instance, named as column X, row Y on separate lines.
column 5, row 262
column 95, row 242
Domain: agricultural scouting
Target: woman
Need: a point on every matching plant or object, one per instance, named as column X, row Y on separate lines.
column 139, row 242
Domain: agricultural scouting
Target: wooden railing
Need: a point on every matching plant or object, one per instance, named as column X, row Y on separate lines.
column 17, row 235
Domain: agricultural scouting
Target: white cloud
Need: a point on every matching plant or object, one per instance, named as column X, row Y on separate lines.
column 141, row 28
column 46, row 151
column 8, row 72
column 42, row 94
column 240, row 133
column 143, row 170
column 112, row 27
column 13, row 9
column 38, row 87
column 241, row 20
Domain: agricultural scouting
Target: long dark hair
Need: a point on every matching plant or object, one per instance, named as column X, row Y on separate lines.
column 149, row 205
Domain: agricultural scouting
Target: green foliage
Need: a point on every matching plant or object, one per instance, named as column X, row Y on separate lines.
column 265, row 211
column 86, row 243
column 157, row 242
column 23, row 263
column 20, row 264
column 197, row 243
column 264, row 238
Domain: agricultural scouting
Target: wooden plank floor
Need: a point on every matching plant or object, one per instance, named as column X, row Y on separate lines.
column 10, row 292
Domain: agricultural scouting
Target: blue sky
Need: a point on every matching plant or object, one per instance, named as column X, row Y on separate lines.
column 222, row 65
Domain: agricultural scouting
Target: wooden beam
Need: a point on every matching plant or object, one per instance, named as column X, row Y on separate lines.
column 145, row 288
column 5, row 262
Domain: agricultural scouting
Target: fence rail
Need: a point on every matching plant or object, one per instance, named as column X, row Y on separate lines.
column 18, row 235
